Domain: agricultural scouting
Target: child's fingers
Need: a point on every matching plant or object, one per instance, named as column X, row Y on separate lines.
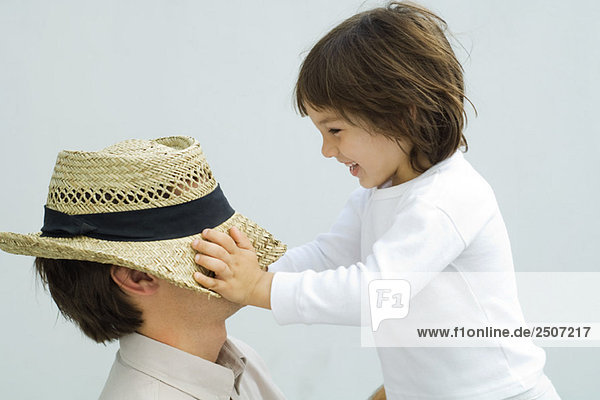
column 241, row 239
column 221, row 270
column 220, row 238
column 207, row 281
column 210, row 249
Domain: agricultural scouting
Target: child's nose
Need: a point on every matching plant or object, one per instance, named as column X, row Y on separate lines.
column 328, row 149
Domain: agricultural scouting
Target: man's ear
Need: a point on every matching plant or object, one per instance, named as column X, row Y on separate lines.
column 134, row 282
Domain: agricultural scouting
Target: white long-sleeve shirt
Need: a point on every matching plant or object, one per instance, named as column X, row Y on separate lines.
column 445, row 220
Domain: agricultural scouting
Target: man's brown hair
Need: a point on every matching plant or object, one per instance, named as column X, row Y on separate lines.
column 86, row 294
column 393, row 70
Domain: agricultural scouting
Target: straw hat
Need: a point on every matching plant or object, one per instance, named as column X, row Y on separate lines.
column 137, row 204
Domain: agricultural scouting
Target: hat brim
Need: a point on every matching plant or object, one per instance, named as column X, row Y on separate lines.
column 171, row 260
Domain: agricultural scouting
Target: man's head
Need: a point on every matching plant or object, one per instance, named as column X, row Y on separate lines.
column 131, row 211
column 107, row 302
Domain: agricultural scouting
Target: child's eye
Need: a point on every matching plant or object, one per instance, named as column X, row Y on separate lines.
column 334, row 131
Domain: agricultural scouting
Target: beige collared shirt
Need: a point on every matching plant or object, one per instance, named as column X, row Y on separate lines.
column 147, row 369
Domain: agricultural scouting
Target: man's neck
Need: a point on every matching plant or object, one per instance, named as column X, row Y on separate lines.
column 203, row 341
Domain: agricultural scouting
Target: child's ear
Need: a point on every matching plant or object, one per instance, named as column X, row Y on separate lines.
column 134, row 282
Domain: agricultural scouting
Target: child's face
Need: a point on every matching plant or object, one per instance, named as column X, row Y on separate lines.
column 373, row 158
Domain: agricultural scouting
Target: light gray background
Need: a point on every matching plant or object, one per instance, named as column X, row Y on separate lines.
column 85, row 74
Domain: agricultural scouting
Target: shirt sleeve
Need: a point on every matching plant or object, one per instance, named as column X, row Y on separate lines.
column 421, row 242
column 339, row 246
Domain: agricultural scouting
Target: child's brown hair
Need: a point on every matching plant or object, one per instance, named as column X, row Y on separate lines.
column 392, row 69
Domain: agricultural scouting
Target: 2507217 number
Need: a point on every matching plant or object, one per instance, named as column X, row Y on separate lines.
column 561, row 331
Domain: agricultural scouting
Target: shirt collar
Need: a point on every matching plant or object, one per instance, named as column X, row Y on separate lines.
column 231, row 357
column 191, row 374
column 387, row 190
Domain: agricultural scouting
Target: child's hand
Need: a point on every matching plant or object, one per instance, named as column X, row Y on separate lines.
column 238, row 276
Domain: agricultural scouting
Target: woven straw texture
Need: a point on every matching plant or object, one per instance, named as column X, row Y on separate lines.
column 130, row 175
column 135, row 175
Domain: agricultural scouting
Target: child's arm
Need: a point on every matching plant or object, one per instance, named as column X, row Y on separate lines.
column 422, row 241
column 340, row 246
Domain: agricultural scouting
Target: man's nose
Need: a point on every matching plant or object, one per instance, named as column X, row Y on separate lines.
column 328, row 149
